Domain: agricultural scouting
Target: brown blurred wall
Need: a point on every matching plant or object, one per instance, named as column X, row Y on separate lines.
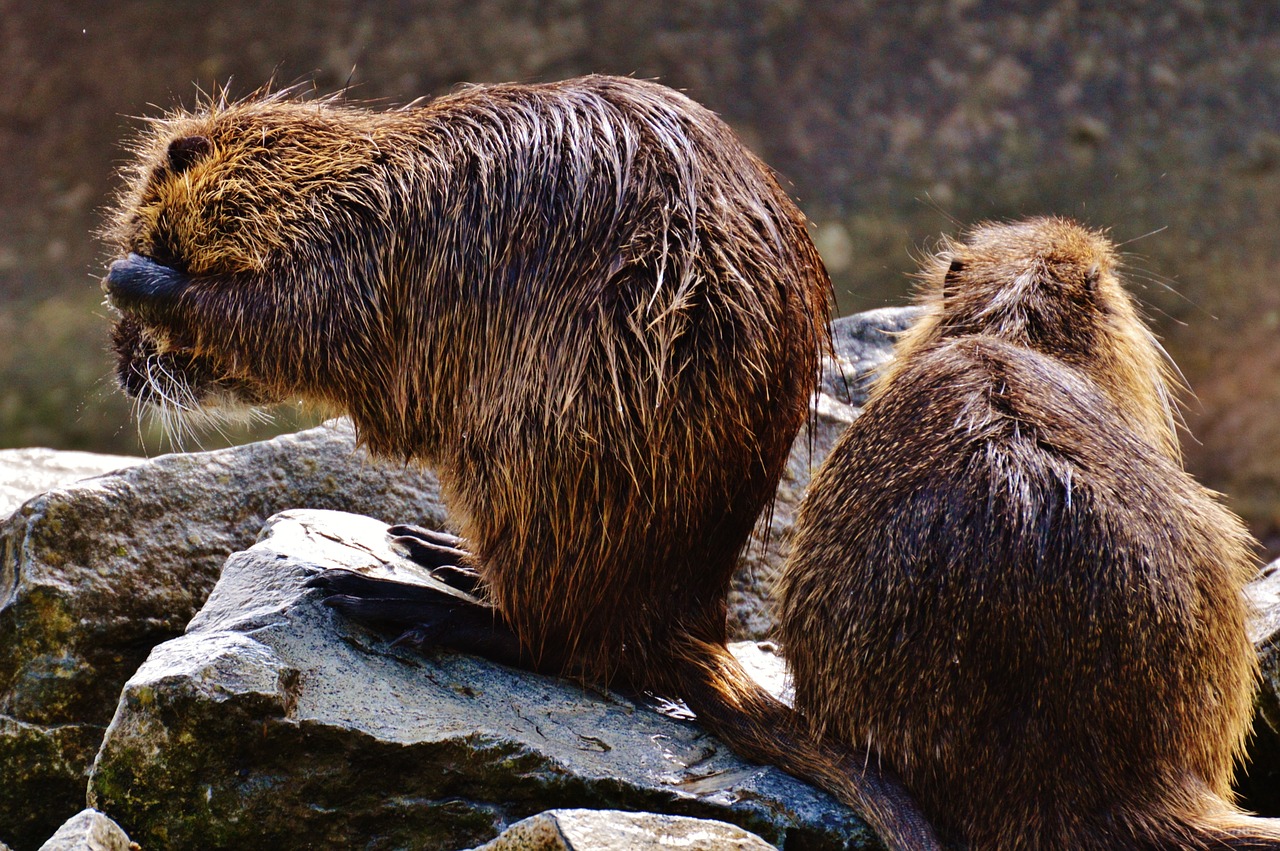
column 893, row 123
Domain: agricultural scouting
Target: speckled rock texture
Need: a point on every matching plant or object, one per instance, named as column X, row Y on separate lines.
column 273, row 722
column 89, row 830
column 94, row 573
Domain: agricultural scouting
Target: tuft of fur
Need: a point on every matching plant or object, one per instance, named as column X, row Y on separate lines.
column 1003, row 583
column 585, row 304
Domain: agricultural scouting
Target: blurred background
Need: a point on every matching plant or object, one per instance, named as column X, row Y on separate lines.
column 891, row 123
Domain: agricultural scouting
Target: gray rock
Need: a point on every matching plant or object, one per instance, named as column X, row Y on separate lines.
column 862, row 343
column 24, row 473
column 97, row 572
column 89, row 830
column 275, row 723
column 605, row 830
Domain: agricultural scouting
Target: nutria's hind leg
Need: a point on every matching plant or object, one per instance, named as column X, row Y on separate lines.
column 420, row 614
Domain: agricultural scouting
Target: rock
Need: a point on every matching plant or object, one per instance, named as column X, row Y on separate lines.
column 24, row 473
column 605, row 830
column 89, row 830
column 863, row 343
column 276, row 723
column 97, row 572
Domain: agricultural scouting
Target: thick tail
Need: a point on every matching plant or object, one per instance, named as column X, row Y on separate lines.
column 1191, row 819
column 759, row 727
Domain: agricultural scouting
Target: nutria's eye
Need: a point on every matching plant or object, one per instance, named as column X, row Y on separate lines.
column 184, row 152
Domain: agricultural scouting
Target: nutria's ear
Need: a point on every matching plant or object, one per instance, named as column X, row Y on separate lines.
column 186, row 150
column 1091, row 278
column 949, row 281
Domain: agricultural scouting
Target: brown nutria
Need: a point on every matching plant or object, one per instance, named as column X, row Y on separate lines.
column 1004, row 584
column 585, row 304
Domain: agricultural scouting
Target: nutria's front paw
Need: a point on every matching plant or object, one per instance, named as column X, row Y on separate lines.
column 441, row 553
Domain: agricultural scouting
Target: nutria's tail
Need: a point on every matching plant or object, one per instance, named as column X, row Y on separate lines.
column 759, row 727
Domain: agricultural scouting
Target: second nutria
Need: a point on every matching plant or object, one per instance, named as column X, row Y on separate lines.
column 585, row 304
column 1004, row 583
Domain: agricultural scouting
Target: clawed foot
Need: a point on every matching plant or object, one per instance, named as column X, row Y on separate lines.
column 442, row 610
column 439, row 552
column 413, row 610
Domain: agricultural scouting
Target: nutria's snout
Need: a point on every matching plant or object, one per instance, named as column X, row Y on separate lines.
column 136, row 283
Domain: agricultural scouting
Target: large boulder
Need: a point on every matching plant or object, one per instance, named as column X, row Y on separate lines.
column 96, row 572
column 274, row 722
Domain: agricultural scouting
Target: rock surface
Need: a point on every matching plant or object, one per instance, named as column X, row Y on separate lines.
column 97, row 572
column 24, row 473
column 89, row 830
column 275, row 723
column 590, row 830
column 861, row 344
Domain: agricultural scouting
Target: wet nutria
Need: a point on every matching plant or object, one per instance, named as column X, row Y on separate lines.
column 585, row 304
column 1003, row 582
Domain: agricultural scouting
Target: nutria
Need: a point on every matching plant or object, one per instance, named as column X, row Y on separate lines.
column 1003, row 581
column 585, row 304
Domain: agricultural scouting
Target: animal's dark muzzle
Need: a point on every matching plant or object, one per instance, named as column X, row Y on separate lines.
column 135, row 283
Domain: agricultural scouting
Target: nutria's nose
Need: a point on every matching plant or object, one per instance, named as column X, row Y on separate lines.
column 134, row 281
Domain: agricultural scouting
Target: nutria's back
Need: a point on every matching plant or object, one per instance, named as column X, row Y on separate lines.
column 1002, row 578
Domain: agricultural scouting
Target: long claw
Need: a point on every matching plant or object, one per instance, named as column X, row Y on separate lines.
column 419, row 614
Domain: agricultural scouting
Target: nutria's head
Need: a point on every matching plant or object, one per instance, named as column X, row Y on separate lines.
column 238, row 230
column 1054, row 286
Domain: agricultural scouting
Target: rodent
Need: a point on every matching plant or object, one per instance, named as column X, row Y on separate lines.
column 1003, row 583
column 585, row 304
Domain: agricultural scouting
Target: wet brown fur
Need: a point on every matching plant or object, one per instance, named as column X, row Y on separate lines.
column 585, row 304
column 1004, row 584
